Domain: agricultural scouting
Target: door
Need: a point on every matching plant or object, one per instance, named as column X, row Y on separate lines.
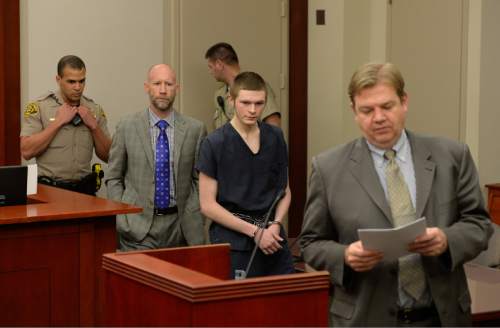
column 425, row 42
column 256, row 29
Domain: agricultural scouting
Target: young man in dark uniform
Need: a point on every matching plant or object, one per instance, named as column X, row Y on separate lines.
column 243, row 168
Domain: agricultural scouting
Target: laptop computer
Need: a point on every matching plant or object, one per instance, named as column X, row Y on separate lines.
column 13, row 184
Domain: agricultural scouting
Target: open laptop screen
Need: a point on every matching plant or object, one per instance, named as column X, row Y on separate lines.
column 13, row 182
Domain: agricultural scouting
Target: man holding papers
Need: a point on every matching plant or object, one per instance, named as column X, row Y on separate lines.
column 389, row 178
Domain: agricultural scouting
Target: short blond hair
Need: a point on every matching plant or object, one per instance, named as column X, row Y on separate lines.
column 369, row 75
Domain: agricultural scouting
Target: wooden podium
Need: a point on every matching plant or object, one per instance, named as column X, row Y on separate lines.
column 494, row 201
column 50, row 258
column 189, row 286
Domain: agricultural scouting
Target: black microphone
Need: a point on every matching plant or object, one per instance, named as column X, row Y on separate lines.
column 220, row 101
column 280, row 195
column 76, row 120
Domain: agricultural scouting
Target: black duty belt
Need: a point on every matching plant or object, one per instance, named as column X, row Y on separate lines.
column 418, row 314
column 165, row 211
column 58, row 183
column 86, row 185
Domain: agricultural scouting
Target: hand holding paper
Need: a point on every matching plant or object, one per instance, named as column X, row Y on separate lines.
column 433, row 243
column 360, row 259
column 395, row 242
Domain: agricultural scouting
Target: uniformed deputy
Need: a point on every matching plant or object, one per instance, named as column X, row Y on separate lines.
column 224, row 66
column 61, row 130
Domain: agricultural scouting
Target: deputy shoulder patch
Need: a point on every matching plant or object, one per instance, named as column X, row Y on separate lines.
column 31, row 109
column 101, row 111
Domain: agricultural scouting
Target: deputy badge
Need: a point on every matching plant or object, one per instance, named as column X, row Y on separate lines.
column 31, row 109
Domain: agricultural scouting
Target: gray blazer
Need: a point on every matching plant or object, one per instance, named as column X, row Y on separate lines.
column 345, row 194
column 130, row 176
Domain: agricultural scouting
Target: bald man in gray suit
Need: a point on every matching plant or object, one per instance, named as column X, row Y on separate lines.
column 171, row 210
column 352, row 187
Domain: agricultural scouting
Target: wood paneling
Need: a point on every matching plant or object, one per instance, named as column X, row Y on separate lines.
column 142, row 289
column 10, row 90
column 29, row 303
column 297, row 113
column 50, row 258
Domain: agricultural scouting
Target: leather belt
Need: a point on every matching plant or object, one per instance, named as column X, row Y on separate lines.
column 66, row 184
column 87, row 185
column 165, row 211
column 418, row 314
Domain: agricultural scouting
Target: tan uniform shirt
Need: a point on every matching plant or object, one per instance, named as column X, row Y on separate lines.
column 69, row 154
column 223, row 115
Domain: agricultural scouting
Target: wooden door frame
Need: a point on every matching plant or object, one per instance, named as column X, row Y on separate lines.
column 10, row 83
column 297, row 135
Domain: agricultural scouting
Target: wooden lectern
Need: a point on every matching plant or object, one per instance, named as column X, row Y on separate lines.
column 494, row 201
column 189, row 286
column 50, row 258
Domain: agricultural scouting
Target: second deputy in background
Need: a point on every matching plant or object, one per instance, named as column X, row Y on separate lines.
column 224, row 66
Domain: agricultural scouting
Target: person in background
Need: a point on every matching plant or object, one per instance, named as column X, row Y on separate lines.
column 224, row 66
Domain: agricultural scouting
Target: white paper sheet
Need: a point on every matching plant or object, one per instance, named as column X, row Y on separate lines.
column 32, row 182
column 392, row 242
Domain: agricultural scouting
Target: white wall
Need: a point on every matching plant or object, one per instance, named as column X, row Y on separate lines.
column 357, row 31
column 117, row 39
column 354, row 33
column 489, row 105
column 256, row 29
column 325, row 76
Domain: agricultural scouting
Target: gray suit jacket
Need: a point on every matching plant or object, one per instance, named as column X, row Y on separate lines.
column 131, row 175
column 345, row 195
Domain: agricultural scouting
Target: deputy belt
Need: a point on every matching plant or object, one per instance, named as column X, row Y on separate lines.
column 418, row 314
column 87, row 185
column 66, row 184
column 165, row 211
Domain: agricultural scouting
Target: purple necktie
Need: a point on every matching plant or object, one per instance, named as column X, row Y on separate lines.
column 162, row 168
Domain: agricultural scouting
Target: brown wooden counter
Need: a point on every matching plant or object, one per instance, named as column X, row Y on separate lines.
column 50, row 258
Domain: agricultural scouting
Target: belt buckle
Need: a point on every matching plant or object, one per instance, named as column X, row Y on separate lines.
column 165, row 211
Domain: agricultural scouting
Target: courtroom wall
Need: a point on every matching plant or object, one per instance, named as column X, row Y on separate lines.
column 360, row 31
column 489, row 119
column 117, row 39
column 354, row 33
